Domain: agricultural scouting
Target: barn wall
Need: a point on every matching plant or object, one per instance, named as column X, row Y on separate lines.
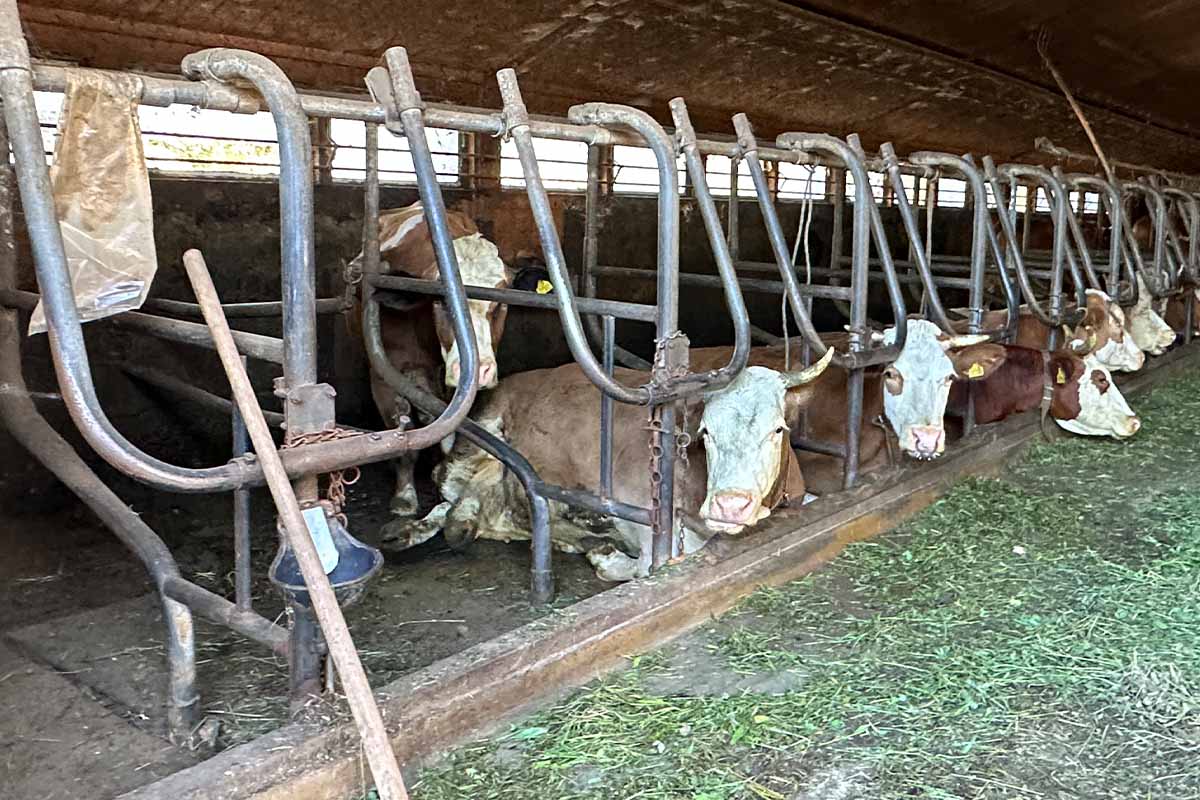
column 236, row 225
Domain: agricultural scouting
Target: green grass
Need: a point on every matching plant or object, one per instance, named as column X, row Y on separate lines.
column 1033, row 636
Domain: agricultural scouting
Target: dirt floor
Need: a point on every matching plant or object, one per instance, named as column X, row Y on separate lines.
column 81, row 631
column 1031, row 636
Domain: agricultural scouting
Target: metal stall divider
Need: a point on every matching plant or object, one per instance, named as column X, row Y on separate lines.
column 867, row 225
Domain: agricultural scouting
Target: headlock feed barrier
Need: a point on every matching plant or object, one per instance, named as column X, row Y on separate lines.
column 1000, row 260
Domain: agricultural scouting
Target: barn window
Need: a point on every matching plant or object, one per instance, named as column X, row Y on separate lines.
column 952, row 193
column 716, row 170
column 876, row 179
column 562, row 164
column 801, row 181
column 635, row 170
column 395, row 158
column 186, row 140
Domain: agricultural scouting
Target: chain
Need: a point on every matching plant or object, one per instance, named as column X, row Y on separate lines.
column 338, row 479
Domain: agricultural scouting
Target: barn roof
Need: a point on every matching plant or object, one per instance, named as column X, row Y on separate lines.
column 958, row 75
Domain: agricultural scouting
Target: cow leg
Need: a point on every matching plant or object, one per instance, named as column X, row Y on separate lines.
column 397, row 412
column 404, row 502
column 401, row 534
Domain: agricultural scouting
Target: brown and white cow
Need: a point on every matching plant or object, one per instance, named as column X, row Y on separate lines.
column 418, row 339
column 910, row 394
column 1084, row 398
column 739, row 467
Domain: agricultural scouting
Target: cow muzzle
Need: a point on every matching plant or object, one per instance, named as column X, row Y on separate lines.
column 924, row 442
column 487, row 374
column 730, row 511
column 1127, row 427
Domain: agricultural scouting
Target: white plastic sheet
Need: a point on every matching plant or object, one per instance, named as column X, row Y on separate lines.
column 102, row 194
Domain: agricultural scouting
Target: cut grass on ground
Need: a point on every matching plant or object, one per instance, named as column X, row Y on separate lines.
column 1032, row 636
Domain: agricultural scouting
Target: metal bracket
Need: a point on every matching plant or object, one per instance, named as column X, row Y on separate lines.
column 309, row 409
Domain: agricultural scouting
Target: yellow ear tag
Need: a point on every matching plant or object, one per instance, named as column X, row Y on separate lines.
column 975, row 370
column 1061, row 378
column 544, row 287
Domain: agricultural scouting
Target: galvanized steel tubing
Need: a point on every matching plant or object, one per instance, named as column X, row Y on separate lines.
column 299, row 283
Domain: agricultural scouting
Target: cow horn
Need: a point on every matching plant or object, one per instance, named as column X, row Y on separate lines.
column 964, row 340
column 809, row 374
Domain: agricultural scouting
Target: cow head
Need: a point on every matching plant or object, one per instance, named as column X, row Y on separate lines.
column 744, row 428
column 916, row 385
column 1085, row 399
column 1149, row 331
column 480, row 265
column 1103, row 327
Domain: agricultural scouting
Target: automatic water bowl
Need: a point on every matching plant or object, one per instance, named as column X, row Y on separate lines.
column 349, row 563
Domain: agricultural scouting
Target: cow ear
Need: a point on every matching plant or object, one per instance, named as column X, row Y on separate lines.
column 977, row 361
column 1065, row 368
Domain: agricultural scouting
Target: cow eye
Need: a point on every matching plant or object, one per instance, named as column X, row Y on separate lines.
column 702, row 433
column 781, row 429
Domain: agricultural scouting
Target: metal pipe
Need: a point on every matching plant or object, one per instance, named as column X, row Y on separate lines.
column 241, row 515
column 1081, row 245
column 180, row 308
column 517, row 118
column 27, row 426
column 1110, row 197
column 299, row 274
column 263, row 348
column 341, row 647
column 215, row 608
column 720, row 250
column 516, row 297
column 606, row 411
column 194, row 394
column 916, row 248
column 745, row 284
column 1006, row 208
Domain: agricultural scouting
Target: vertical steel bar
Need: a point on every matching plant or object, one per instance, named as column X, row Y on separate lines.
column 606, row 414
column 241, row 516
column 733, row 236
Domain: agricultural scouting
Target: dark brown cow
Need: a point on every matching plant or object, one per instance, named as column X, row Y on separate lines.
column 418, row 339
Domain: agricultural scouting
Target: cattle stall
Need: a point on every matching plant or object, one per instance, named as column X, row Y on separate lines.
column 619, row 281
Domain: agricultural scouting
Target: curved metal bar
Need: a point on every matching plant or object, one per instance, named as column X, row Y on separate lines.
column 1052, row 317
column 883, row 248
column 299, row 276
column 1012, row 296
column 720, row 248
column 1189, row 209
column 1060, row 208
column 1111, row 197
column 1158, row 215
column 65, row 333
column 916, row 240
column 1082, row 250
column 979, row 233
column 517, row 118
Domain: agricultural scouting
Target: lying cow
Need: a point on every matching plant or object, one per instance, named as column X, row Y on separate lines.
column 419, row 339
column 1084, row 399
column 739, row 468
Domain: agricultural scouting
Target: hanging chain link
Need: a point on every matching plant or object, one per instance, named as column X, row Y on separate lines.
column 664, row 372
column 339, row 479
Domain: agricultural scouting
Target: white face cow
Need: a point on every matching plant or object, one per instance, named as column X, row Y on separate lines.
column 1105, row 320
column 1102, row 408
column 916, row 385
column 1149, row 331
column 480, row 265
column 745, row 434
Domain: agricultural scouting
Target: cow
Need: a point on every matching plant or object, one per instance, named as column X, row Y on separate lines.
column 1149, row 330
column 1101, row 331
column 1084, row 399
column 909, row 394
column 739, row 465
column 1175, row 310
column 418, row 338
